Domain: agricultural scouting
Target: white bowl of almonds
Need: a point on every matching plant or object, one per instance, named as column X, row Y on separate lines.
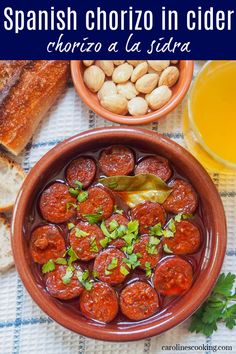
column 133, row 91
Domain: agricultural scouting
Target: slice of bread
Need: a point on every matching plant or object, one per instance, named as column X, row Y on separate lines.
column 6, row 258
column 11, row 179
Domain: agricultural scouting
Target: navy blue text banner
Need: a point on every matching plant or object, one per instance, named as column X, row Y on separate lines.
column 137, row 29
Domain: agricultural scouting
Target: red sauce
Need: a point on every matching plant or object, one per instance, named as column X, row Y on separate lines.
column 165, row 302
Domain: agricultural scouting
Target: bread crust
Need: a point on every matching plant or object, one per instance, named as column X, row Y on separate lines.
column 10, row 164
column 5, row 246
column 28, row 99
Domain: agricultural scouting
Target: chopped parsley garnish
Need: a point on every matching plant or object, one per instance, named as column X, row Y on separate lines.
column 95, row 274
column 156, row 230
column 62, row 261
column 93, row 218
column 124, row 270
column 151, row 247
column 73, row 256
column 83, row 277
column 133, row 226
column 112, row 184
column 70, row 225
column 132, row 260
column 104, row 242
column 167, row 249
column 118, row 211
column 70, row 205
column 217, row 308
column 74, row 192
column 82, row 196
column 80, row 233
column 171, row 225
column 181, row 216
column 113, row 225
column 168, row 233
column 93, row 245
column 104, row 230
column 148, row 269
column 68, row 275
column 78, row 184
column 48, row 267
column 113, row 264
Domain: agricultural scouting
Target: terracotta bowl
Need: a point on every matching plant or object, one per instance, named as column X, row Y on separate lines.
column 212, row 214
column 179, row 91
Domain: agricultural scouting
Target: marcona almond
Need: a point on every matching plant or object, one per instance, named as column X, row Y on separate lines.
column 159, row 65
column 135, row 62
column 88, row 62
column 139, row 71
column 137, row 106
column 158, row 97
column 122, row 73
column 118, row 62
column 147, row 83
column 94, row 78
column 107, row 89
column 115, row 103
column 169, row 76
column 127, row 89
column 106, row 65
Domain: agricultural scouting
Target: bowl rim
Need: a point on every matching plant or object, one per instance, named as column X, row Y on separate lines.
column 153, row 116
column 141, row 331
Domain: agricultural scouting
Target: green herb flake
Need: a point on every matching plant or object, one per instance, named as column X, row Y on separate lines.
column 113, row 225
column 104, row 242
column 73, row 192
column 171, row 226
column 166, row 249
column 68, row 275
column 95, row 274
column 118, row 211
column 124, row 270
column 80, row 233
column 113, row 264
column 148, row 269
column 217, row 308
column 178, row 217
column 108, row 272
column 78, row 184
column 104, row 230
column 132, row 260
column 133, row 226
column 73, row 256
column 168, row 233
column 70, row 225
column 151, row 247
column 93, row 245
column 70, row 205
column 93, row 218
column 62, row 261
column 48, row 267
column 121, row 230
column 82, row 196
column 156, row 230
column 83, row 277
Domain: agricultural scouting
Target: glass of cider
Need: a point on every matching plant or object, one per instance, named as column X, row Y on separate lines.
column 209, row 122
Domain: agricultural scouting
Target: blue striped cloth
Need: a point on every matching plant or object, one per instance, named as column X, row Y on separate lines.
column 24, row 328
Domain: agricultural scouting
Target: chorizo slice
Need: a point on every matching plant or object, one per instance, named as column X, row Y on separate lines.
column 100, row 303
column 46, row 243
column 56, row 204
column 109, row 266
column 138, row 301
column 155, row 165
column 63, row 290
column 149, row 250
column 85, row 240
column 83, row 169
column 183, row 198
column 116, row 160
column 99, row 205
column 148, row 214
column 173, row 276
column 186, row 240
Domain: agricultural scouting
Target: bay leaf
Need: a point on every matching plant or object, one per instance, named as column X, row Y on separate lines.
column 138, row 189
